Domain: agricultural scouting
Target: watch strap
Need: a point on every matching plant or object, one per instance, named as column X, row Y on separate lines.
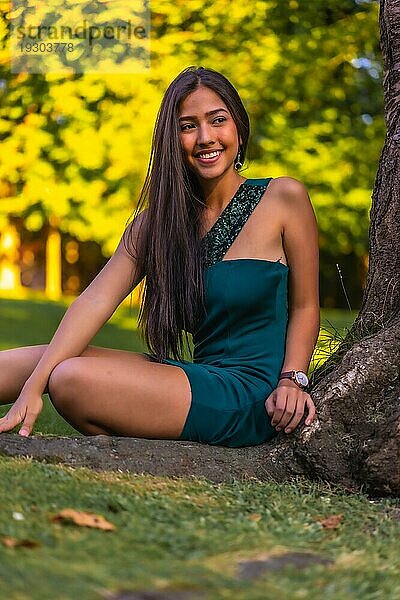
column 286, row 374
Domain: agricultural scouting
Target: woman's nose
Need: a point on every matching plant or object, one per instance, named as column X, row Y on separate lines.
column 204, row 134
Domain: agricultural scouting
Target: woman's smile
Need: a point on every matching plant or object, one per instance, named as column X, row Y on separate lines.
column 209, row 158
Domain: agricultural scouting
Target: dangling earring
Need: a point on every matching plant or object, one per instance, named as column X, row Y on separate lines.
column 238, row 165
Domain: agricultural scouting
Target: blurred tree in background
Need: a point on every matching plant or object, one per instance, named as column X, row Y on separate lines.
column 75, row 148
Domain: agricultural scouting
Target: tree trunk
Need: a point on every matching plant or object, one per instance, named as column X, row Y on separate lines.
column 53, row 264
column 356, row 439
column 10, row 273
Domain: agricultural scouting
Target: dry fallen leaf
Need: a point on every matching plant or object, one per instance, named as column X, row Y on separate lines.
column 255, row 517
column 331, row 522
column 10, row 542
column 83, row 519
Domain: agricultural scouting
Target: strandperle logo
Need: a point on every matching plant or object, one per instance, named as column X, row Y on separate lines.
column 100, row 36
column 82, row 32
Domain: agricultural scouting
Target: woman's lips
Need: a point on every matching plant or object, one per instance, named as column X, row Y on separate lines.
column 208, row 161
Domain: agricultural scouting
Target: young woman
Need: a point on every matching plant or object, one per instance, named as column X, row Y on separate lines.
column 234, row 261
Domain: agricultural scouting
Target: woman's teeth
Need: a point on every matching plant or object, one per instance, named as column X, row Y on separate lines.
column 210, row 155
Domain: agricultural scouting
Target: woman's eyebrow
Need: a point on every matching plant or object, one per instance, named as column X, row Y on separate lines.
column 211, row 112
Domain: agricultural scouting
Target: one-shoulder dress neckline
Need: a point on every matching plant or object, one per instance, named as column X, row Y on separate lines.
column 222, row 218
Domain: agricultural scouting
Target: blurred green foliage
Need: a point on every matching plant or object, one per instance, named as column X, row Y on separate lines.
column 76, row 147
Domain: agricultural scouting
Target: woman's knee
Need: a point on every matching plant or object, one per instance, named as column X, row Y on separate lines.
column 63, row 382
column 66, row 387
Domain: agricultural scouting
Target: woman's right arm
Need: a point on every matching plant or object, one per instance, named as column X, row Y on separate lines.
column 85, row 316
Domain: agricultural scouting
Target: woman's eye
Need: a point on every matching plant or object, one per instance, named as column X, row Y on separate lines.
column 190, row 124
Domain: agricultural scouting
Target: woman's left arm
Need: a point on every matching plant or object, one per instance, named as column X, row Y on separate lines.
column 287, row 403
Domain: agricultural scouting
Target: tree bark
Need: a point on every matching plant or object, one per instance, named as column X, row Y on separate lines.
column 356, row 439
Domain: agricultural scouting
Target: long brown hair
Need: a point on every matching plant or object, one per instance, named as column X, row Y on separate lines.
column 169, row 254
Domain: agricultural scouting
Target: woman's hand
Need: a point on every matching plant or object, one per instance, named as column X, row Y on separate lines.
column 286, row 404
column 25, row 410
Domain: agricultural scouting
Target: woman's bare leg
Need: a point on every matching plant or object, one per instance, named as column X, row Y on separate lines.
column 106, row 391
column 121, row 393
column 17, row 364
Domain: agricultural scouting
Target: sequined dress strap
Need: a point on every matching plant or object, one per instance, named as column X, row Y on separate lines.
column 222, row 234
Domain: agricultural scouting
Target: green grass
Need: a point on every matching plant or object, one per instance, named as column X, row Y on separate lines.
column 34, row 321
column 334, row 327
column 179, row 534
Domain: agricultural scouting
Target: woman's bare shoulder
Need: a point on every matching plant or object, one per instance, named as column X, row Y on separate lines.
column 290, row 189
column 289, row 198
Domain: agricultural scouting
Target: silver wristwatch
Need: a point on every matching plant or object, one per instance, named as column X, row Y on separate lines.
column 299, row 377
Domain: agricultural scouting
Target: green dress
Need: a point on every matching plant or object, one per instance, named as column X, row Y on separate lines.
column 239, row 345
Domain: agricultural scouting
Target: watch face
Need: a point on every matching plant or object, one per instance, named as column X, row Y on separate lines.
column 301, row 378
